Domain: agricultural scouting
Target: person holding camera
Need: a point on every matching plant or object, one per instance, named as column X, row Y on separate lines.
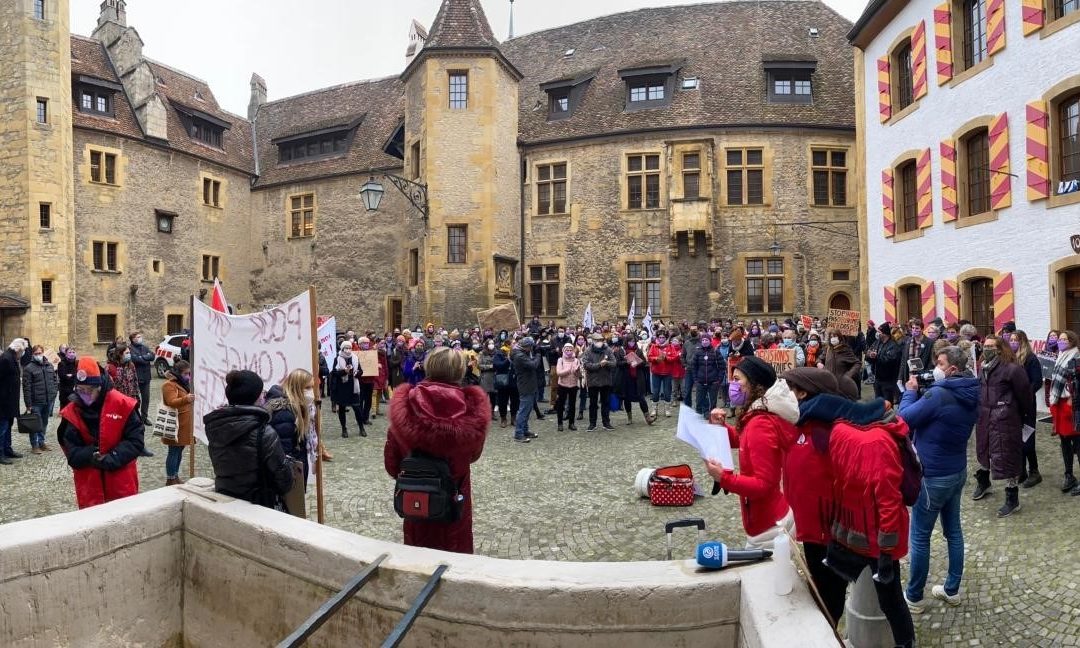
column 941, row 420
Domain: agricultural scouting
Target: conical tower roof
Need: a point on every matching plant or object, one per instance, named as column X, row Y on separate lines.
column 461, row 23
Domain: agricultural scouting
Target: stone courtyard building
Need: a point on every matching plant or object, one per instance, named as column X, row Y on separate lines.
column 695, row 159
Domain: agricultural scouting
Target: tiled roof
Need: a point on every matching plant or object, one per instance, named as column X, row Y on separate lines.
column 723, row 44
column 382, row 101
column 88, row 58
column 461, row 23
column 180, row 89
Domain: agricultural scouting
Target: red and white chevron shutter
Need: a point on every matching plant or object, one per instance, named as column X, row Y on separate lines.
column 925, row 189
column 884, row 93
column 918, row 61
column 888, row 214
column 1038, row 152
column 1000, row 174
column 949, row 206
column 943, row 42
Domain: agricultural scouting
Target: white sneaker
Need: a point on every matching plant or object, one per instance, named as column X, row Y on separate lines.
column 939, row 593
column 916, row 607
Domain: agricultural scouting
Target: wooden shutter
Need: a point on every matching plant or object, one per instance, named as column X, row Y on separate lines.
column 1034, row 16
column 1038, row 153
column 890, row 304
column 884, row 93
column 925, row 189
column 1004, row 301
column 1000, row 176
column 918, row 61
column 949, row 205
column 995, row 26
column 952, row 301
column 943, row 42
column 929, row 303
column 888, row 214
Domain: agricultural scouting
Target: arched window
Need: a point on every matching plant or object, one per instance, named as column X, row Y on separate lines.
column 980, row 310
column 840, row 301
column 909, row 302
column 907, row 197
column 902, row 82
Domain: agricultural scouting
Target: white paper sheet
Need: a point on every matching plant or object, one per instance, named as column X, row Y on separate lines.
column 1028, row 431
column 711, row 441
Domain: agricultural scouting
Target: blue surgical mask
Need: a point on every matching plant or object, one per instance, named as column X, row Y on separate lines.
column 788, row 344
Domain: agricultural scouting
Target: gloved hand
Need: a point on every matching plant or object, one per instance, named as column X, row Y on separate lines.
column 885, row 572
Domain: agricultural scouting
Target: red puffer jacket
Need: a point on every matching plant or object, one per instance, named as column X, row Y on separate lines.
column 761, row 441
column 662, row 359
column 870, row 515
column 808, row 483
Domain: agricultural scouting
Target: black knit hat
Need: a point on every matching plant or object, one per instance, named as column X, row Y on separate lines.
column 757, row 371
column 242, row 387
column 885, row 329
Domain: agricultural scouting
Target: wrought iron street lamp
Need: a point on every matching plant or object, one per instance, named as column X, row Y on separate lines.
column 416, row 193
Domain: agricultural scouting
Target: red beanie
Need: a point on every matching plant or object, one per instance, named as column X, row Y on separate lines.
column 88, row 373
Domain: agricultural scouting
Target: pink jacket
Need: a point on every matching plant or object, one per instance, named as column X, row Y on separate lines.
column 568, row 371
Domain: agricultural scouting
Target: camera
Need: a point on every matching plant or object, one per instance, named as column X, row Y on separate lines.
column 923, row 377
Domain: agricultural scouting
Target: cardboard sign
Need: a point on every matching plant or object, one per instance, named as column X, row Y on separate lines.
column 500, row 318
column 845, row 322
column 780, row 359
column 807, row 322
column 369, row 363
column 271, row 343
column 1046, row 362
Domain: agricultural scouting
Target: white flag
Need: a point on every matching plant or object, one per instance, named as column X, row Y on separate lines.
column 646, row 323
column 632, row 313
column 587, row 321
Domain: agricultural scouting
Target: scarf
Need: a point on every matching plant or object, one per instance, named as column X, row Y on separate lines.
column 1059, row 385
column 344, row 362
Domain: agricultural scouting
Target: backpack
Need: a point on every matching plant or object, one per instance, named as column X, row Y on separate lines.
column 425, row 491
column 911, row 481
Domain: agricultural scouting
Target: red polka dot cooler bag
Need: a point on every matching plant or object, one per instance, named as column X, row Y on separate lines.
column 672, row 486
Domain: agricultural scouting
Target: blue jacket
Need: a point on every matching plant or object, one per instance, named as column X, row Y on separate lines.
column 941, row 423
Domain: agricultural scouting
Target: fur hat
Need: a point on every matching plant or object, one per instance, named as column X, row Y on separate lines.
column 757, row 371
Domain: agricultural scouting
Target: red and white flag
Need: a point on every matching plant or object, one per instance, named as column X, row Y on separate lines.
column 217, row 300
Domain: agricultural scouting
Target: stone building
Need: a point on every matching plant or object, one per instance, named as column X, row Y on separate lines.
column 969, row 127
column 622, row 159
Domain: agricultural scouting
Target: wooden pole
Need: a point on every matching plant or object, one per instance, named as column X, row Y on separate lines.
column 321, row 513
column 191, row 357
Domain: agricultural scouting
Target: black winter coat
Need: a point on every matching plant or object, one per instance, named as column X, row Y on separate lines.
column 925, row 350
column 143, row 358
column 708, row 366
column 1004, row 399
column 629, row 387
column 887, row 362
column 342, row 389
column 39, row 384
column 596, row 375
column 284, row 423
column 526, row 366
column 10, row 384
column 65, row 373
column 232, row 432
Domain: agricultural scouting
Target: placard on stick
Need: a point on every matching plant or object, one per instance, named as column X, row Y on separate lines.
column 844, row 321
column 369, row 363
column 500, row 318
column 780, row 359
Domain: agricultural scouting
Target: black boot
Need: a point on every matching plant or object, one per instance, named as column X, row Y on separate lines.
column 1033, row 479
column 1069, row 483
column 982, row 486
column 1012, row 502
column 344, row 433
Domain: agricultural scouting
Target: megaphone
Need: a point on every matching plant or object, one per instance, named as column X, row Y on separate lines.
column 716, row 555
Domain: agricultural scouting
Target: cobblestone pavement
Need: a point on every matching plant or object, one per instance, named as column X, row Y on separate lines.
column 569, row 496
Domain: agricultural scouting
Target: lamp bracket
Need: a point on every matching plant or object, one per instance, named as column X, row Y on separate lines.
column 414, row 192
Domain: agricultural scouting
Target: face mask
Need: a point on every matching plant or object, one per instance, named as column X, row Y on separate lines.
column 939, row 373
column 309, row 395
column 989, row 355
column 580, row 342
column 735, row 395
column 70, row 355
column 916, row 332
column 491, row 347
column 598, row 345
column 933, row 335
column 39, row 358
column 1063, row 345
column 706, row 343
column 562, row 333
column 725, row 341
column 755, row 331
column 87, row 399
column 138, row 340
column 788, row 343
column 1051, row 341
column 951, row 337
column 834, row 341
column 1014, row 345
column 186, row 377
column 126, row 358
column 631, row 344
column 569, row 353
column 814, row 343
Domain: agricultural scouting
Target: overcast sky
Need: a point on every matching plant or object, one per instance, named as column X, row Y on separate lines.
column 302, row 45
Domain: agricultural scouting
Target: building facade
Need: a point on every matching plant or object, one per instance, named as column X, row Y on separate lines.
column 969, row 128
column 619, row 160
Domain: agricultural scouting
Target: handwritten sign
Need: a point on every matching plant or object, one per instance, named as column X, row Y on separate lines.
column 369, row 363
column 780, row 359
column 845, row 322
column 807, row 322
column 327, row 338
column 271, row 343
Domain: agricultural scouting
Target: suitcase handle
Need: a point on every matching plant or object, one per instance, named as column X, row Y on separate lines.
column 678, row 524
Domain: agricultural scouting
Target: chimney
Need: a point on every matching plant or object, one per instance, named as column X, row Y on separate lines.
column 258, row 96
column 113, row 11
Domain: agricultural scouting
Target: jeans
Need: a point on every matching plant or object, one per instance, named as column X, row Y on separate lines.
column 172, row 462
column 38, row 438
column 564, row 404
column 706, row 398
column 688, row 388
column 600, row 396
column 521, row 423
column 661, row 388
column 939, row 495
column 5, row 436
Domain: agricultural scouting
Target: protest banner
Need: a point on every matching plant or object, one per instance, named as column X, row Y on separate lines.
column 807, row 322
column 1046, row 363
column 327, row 339
column 844, row 321
column 780, row 359
column 500, row 318
column 368, row 362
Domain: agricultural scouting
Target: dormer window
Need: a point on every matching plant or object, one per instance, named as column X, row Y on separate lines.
column 650, row 87
column 326, row 143
column 564, row 95
column 206, row 133
column 94, row 96
column 790, row 81
column 202, row 127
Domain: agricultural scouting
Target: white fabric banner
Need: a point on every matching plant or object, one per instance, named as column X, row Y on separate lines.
column 327, row 339
column 587, row 321
column 271, row 343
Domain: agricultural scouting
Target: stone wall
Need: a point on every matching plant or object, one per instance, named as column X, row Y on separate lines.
column 158, row 272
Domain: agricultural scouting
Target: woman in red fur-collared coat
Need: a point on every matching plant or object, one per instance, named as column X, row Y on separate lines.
column 440, row 418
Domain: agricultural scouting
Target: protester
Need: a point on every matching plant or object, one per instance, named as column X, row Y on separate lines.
column 691, row 344
column 65, row 372
column 143, row 359
column 176, row 393
column 1050, row 349
column 1026, row 358
column 1061, row 406
column 1003, row 407
column 345, row 389
column 568, row 373
column 101, row 435
column 708, row 370
column 839, row 359
column 632, row 379
column 292, row 415
column 940, row 422
column 769, row 419
column 599, row 363
column 526, row 363
column 505, row 386
column 788, row 341
column 885, row 357
column 441, row 419
column 485, row 362
column 915, row 346
column 367, row 386
column 10, row 389
column 249, row 462
column 814, row 350
column 40, row 386
column 662, row 357
column 122, row 372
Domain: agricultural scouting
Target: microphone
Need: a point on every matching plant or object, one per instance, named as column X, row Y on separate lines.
column 716, row 555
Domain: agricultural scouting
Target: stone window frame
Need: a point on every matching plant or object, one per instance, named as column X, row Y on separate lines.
column 387, row 317
column 106, row 245
column 464, row 243
column 624, row 198
column 829, row 149
column 41, row 117
column 766, row 168
column 106, row 154
column 302, row 210
column 543, row 264
column 416, row 159
column 538, row 185
column 38, row 10
column 215, row 182
column 678, row 150
column 210, row 261
column 623, row 262
column 901, row 234
column 160, row 214
column 1054, row 97
column 48, row 292
column 45, row 216
column 961, row 70
column 175, row 311
column 739, row 277
column 118, row 325
column 961, row 136
column 1053, row 23
column 457, row 98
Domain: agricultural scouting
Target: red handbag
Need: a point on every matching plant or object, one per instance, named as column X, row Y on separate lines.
column 672, row 486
